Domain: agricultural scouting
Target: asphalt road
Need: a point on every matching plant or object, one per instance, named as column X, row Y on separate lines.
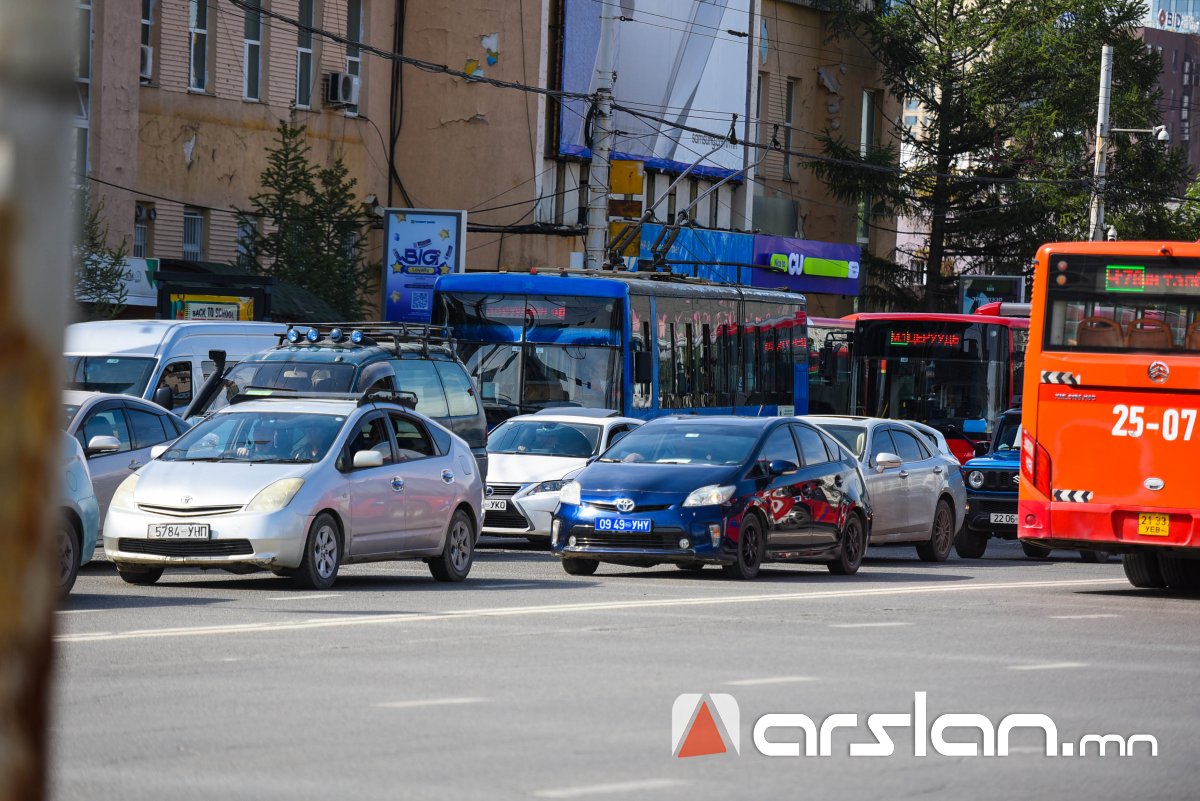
column 524, row 682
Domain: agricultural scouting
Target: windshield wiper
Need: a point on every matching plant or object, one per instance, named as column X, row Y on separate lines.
column 279, row 459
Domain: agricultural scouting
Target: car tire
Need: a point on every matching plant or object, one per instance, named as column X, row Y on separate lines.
column 970, row 544
column 67, row 549
column 1035, row 551
column 1142, row 570
column 458, row 554
column 1179, row 574
column 322, row 554
column 854, row 546
column 142, row 575
column 580, row 567
column 750, row 544
column 1094, row 557
column 941, row 538
column 690, row 567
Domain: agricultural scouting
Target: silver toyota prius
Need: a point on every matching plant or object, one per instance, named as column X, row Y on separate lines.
column 300, row 486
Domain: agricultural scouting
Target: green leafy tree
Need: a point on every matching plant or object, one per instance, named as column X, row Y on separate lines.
column 101, row 271
column 305, row 227
column 1005, row 161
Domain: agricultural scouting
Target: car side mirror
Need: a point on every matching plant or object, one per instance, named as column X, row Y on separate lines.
column 782, row 467
column 157, row 451
column 367, row 458
column 165, row 398
column 887, row 461
column 982, row 448
column 103, row 444
column 643, row 367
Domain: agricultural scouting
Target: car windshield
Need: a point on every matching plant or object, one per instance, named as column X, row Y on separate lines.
column 545, row 438
column 1007, row 438
column 124, row 375
column 258, row 437
column 853, row 437
column 298, row 376
column 685, row 443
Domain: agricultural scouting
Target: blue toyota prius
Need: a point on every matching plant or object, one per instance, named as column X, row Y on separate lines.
column 716, row 490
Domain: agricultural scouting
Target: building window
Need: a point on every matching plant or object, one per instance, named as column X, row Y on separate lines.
column 868, row 141
column 354, row 33
column 304, row 56
column 198, row 32
column 693, row 193
column 252, row 52
column 83, row 89
column 143, row 230
column 650, row 177
column 193, row 234
column 714, row 209
column 146, row 58
column 247, row 229
column 671, row 199
column 789, row 102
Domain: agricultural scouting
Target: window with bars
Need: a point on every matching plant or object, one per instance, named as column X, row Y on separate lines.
column 143, row 220
column 304, row 55
column 83, row 90
column 193, row 234
column 354, row 32
column 246, row 231
column 252, row 52
column 198, row 45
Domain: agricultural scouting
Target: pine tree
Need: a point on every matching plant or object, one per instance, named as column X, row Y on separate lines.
column 100, row 270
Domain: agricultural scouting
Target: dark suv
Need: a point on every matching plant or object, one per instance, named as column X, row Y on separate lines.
column 413, row 360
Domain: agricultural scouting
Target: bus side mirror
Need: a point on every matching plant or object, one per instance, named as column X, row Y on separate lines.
column 643, row 367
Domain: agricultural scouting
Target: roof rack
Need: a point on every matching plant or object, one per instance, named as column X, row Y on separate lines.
column 399, row 397
column 370, row 333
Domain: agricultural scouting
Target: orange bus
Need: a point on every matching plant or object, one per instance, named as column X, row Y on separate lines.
column 1111, row 406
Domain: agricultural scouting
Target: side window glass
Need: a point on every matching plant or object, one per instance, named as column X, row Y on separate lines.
column 419, row 377
column 907, row 447
column 371, row 434
column 880, row 443
column 460, row 393
column 835, row 453
column 108, row 423
column 178, row 376
column 412, row 440
column 147, row 428
column 779, row 445
column 811, row 446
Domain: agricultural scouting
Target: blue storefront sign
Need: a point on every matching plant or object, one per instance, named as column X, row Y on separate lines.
column 421, row 245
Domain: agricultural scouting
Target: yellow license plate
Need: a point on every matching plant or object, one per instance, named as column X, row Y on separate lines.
column 1153, row 524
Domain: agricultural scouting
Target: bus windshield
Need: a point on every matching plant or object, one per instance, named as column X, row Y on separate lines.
column 1117, row 304
column 945, row 374
column 123, row 375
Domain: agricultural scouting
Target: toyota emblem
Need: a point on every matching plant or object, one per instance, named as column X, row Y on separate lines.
column 1158, row 372
column 624, row 505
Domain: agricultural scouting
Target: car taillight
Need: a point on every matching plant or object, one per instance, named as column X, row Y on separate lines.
column 1035, row 464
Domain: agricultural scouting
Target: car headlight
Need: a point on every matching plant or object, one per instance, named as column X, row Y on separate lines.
column 712, row 495
column 975, row 479
column 276, row 496
column 123, row 497
column 548, row 486
column 569, row 493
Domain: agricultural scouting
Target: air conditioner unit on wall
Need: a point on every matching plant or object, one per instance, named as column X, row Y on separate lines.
column 146, row 63
column 341, row 89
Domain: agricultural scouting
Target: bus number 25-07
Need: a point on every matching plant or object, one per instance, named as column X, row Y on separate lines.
column 1131, row 423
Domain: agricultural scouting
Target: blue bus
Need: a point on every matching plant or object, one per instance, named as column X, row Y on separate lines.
column 642, row 344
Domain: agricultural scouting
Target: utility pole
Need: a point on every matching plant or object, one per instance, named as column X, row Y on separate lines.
column 598, row 178
column 1096, row 217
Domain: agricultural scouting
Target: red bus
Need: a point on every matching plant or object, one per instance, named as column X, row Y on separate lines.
column 1112, row 401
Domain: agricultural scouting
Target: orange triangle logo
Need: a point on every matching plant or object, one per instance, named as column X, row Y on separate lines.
column 704, row 737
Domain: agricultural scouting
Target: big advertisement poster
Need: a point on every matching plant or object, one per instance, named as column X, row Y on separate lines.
column 421, row 245
column 676, row 60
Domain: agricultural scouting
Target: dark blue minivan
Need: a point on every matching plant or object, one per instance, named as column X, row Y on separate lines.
column 719, row 490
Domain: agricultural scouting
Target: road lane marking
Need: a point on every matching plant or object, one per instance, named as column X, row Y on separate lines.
column 611, row 788
column 1050, row 666
column 302, row 597
column 595, row 606
column 415, row 704
column 1080, row 617
column 880, row 625
column 769, row 680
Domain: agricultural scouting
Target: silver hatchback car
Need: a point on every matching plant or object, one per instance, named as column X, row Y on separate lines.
column 301, row 486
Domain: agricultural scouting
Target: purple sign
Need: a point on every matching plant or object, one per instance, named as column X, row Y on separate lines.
column 802, row 265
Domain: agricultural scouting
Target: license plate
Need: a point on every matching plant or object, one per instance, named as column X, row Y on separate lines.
column 635, row 524
column 495, row 506
column 178, row 531
column 1154, row 524
column 1003, row 519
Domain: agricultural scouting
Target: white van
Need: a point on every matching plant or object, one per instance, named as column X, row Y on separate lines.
column 164, row 361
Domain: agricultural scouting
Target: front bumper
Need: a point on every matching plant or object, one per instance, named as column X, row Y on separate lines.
column 676, row 535
column 981, row 507
column 272, row 540
column 525, row 515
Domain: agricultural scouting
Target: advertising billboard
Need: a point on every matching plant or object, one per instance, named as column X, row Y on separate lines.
column 976, row 290
column 188, row 306
column 676, row 60
column 421, row 245
column 805, row 265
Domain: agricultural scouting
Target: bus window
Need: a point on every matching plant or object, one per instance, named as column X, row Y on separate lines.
column 666, row 362
column 642, row 343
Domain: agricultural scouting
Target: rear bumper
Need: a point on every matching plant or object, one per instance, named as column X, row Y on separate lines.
column 1102, row 526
